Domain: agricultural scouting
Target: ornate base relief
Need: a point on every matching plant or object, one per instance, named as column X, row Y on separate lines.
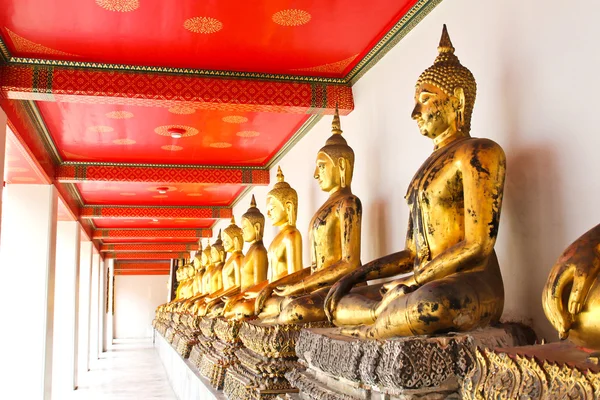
column 221, row 355
column 418, row 367
column 268, row 354
column 552, row 371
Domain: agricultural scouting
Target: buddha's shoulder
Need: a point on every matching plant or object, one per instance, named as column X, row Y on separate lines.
column 474, row 146
column 350, row 201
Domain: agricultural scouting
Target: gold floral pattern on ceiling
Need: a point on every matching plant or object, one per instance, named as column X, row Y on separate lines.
column 235, row 119
column 164, row 130
column 119, row 5
column 248, row 134
column 182, row 110
column 119, row 115
column 124, row 141
column 204, row 25
column 220, row 145
column 23, row 45
column 291, row 17
column 170, row 147
column 337, row 67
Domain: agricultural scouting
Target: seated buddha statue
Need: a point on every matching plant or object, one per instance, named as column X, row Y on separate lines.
column 454, row 203
column 233, row 244
column 571, row 296
column 254, row 268
column 203, row 277
column 299, row 294
column 214, row 274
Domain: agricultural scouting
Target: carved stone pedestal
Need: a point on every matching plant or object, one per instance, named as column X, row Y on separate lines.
column 551, row 371
column 268, row 353
column 418, row 367
column 217, row 359
column 204, row 340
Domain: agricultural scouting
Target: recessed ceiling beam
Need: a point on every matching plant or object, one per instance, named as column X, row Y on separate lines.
column 72, row 172
column 152, row 234
column 146, row 256
column 167, row 212
column 149, row 247
column 85, row 85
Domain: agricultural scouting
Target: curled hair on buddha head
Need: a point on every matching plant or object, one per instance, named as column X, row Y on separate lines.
column 448, row 74
column 285, row 194
column 234, row 232
column 336, row 146
column 254, row 216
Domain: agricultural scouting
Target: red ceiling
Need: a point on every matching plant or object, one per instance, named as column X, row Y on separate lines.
column 135, row 193
column 325, row 38
column 128, row 134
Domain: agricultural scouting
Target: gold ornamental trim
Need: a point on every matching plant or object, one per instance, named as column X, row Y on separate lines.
column 125, row 165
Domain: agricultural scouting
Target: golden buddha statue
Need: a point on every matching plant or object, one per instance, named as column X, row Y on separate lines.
column 214, row 280
column 233, row 243
column 254, row 267
column 334, row 239
column 454, row 200
column 571, row 297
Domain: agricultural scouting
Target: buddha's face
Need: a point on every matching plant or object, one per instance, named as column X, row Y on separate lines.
column 327, row 173
column 248, row 231
column 205, row 258
column 227, row 243
column 435, row 111
column 215, row 255
column 276, row 212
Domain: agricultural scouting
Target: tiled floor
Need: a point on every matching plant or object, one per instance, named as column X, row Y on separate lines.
column 131, row 370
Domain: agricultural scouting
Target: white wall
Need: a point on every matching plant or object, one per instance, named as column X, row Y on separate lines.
column 536, row 67
column 136, row 298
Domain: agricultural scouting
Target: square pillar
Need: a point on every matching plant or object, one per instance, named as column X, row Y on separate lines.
column 3, row 121
column 94, row 326
column 85, row 271
column 108, row 315
column 68, row 243
column 27, row 259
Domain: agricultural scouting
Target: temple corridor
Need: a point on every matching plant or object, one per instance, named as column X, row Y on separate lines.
column 129, row 370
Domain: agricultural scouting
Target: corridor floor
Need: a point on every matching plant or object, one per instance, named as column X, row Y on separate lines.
column 130, row 370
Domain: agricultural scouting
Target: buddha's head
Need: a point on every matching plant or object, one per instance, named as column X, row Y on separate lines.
column 217, row 251
column 178, row 274
column 206, row 260
column 282, row 202
column 232, row 237
column 444, row 95
column 198, row 258
column 335, row 160
column 190, row 270
column 253, row 223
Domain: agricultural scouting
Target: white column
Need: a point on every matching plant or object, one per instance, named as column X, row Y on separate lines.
column 27, row 257
column 94, row 326
column 108, row 320
column 2, row 158
column 68, row 242
column 85, row 270
column 101, row 306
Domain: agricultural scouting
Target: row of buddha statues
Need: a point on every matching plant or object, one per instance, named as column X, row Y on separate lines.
column 450, row 279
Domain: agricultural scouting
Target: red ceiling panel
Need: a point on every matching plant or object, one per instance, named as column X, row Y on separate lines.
column 325, row 38
column 135, row 134
column 133, row 193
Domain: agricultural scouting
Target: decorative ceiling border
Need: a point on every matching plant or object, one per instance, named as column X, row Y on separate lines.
column 148, row 165
column 174, row 71
column 421, row 9
column 415, row 15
